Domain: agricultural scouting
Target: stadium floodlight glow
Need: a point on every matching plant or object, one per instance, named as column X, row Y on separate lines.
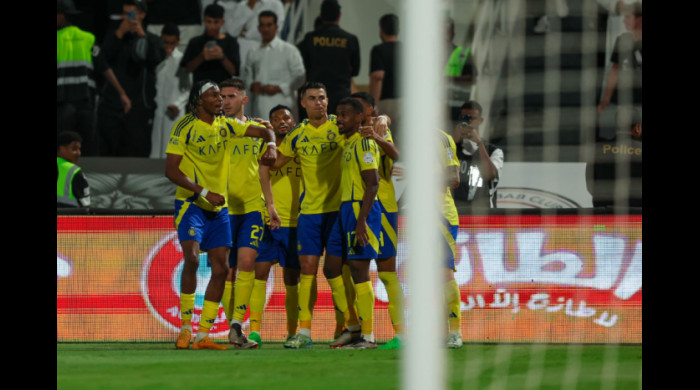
column 423, row 358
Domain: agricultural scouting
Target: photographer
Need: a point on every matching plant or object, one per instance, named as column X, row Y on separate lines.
column 480, row 163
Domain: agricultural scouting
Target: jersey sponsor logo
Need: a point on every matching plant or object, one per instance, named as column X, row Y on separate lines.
column 201, row 139
column 246, row 149
column 306, row 139
column 312, row 150
column 208, row 150
column 160, row 286
column 450, row 154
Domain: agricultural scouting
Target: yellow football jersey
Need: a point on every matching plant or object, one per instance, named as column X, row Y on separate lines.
column 205, row 151
column 244, row 190
column 319, row 153
column 387, row 194
column 448, row 152
column 359, row 154
column 286, row 189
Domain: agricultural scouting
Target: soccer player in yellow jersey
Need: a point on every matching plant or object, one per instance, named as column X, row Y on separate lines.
column 197, row 162
column 246, row 207
column 449, row 229
column 356, row 233
column 388, row 240
column 316, row 142
column 282, row 190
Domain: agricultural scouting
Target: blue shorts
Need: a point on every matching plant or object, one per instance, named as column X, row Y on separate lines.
column 313, row 231
column 281, row 245
column 343, row 241
column 211, row 229
column 247, row 232
column 449, row 235
column 388, row 234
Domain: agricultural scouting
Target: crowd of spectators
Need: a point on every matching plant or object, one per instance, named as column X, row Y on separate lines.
column 146, row 54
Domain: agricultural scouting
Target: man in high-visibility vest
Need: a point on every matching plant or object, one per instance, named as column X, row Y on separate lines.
column 72, row 188
column 77, row 60
column 460, row 63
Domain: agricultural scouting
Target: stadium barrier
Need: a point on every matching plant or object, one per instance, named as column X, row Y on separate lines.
column 525, row 276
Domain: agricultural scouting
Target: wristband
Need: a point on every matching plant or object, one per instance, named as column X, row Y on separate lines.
column 204, row 192
column 272, row 143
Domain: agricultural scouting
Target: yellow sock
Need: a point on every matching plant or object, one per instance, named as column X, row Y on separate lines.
column 209, row 312
column 243, row 290
column 350, row 295
column 305, row 286
column 340, row 302
column 186, row 309
column 257, row 304
column 226, row 300
column 291, row 306
column 454, row 305
column 314, row 295
column 365, row 306
column 395, row 293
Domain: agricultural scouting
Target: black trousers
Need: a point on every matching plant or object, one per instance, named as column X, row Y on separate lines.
column 79, row 117
column 124, row 135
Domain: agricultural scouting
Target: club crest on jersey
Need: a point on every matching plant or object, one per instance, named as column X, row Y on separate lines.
column 450, row 154
column 331, row 135
column 192, row 232
column 222, row 131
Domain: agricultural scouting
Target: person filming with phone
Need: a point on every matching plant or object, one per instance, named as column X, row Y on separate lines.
column 480, row 163
column 213, row 55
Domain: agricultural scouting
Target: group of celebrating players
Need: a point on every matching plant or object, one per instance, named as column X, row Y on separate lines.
column 254, row 192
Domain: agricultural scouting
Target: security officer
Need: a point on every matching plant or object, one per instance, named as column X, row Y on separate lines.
column 72, row 189
column 77, row 60
column 614, row 176
column 331, row 55
column 460, row 63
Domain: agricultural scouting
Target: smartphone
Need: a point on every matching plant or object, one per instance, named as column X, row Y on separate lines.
column 131, row 15
column 211, row 44
column 465, row 118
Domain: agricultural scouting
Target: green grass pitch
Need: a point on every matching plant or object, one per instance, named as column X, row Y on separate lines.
column 476, row 366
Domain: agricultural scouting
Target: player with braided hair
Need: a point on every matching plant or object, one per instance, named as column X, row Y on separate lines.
column 198, row 163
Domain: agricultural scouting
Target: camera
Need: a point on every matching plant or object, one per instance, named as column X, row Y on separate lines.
column 131, row 15
column 465, row 118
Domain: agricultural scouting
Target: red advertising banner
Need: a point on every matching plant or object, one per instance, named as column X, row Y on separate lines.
column 555, row 279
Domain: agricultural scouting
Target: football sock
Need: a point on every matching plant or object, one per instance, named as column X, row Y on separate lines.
column 257, row 304
column 453, row 305
column 210, row 311
column 350, row 295
column 395, row 293
column 314, row 294
column 365, row 306
column 305, row 286
column 186, row 309
column 340, row 302
column 291, row 306
column 226, row 300
column 243, row 290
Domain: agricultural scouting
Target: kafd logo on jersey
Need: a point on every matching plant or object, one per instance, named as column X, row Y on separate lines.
column 160, row 286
